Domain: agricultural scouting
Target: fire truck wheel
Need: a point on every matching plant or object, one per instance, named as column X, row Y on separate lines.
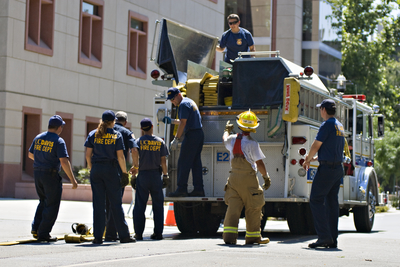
column 295, row 218
column 206, row 223
column 364, row 216
column 263, row 221
column 184, row 217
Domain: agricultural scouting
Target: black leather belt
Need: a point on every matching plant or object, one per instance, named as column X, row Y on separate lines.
column 45, row 170
column 331, row 163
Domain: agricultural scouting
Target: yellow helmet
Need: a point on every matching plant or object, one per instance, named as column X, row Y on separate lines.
column 248, row 121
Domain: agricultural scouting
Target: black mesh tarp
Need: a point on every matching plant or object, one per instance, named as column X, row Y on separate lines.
column 258, row 83
column 166, row 59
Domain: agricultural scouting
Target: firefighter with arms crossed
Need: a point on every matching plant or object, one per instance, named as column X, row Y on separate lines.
column 149, row 159
column 329, row 144
column 242, row 188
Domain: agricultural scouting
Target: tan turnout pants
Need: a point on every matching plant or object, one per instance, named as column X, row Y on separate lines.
column 243, row 189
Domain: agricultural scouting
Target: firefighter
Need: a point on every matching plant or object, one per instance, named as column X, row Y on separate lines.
column 324, row 203
column 190, row 126
column 235, row 40
column 242, row 188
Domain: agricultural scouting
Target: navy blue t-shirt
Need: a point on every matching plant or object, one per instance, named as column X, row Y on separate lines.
column 47, row 149
column 151, row 149
column 105, row 147
column 331, row 134
column 236, row 42
column 129, row 141
column 189, row 110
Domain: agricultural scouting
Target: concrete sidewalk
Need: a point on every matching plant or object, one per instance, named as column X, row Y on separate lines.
column 17, row 214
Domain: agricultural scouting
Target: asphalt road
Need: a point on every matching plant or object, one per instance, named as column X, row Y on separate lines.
column 378, row 248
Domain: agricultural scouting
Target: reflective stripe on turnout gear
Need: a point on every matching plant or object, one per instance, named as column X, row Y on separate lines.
column 253, row 234
column 230, row 229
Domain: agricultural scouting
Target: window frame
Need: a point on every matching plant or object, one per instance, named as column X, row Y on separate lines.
column 130, row 70
column 83, row 39
column 49, row 21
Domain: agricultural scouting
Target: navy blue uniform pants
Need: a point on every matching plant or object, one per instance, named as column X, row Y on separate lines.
column 324, row 201
column 105, row 180
column 149, row 181
column 190, row 159
column 111, row 230
column 49, row 189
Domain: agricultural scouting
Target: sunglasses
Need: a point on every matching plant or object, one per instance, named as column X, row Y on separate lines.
column 233, row 22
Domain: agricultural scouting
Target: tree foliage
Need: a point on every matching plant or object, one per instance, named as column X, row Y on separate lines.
column 388, row 152
column 370, row 38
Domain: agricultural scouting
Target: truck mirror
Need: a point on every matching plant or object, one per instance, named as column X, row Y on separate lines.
column 381, row 126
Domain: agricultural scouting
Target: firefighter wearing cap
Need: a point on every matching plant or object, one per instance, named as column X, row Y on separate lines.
column 48, row 151
column 329, row 144
column 104, row 152
column 242, row 188
column 150, row 161
column 192, row 145
column 129, row 144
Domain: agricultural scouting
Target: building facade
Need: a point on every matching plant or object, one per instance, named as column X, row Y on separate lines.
column 77, row 58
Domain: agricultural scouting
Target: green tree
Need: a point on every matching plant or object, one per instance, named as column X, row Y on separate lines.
column 388, row 166
column 369, row 37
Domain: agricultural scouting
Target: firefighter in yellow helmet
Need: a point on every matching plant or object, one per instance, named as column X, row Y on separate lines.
column 242, row 188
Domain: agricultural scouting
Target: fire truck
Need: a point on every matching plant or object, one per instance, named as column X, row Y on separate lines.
column 284, row 97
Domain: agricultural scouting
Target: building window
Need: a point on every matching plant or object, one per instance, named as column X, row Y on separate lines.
column 31, row 127
column 39, row 26
column 91, row 33
column 137, row 45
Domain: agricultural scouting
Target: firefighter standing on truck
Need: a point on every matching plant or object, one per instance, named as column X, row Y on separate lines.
column 242, row 188
column 192, row 144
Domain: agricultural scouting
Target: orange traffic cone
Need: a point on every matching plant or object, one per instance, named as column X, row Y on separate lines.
column 170, row 220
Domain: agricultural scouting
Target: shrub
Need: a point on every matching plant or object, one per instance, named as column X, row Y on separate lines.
column 82, row 175
column 380, row 209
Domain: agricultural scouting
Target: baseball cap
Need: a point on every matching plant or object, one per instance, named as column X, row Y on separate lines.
column 121, row 114
column 172, row 92
column 56, row 120
column 327, row 103
column 108, row 115
column 146, row 124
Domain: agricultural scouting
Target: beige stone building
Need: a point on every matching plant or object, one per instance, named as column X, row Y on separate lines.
column 77, row 58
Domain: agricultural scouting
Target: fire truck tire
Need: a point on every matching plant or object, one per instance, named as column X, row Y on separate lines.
column 309, row 219
column 184, row 217
column 364, row 216
column 263, row 221
column 295, row 218
column 206, row 223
